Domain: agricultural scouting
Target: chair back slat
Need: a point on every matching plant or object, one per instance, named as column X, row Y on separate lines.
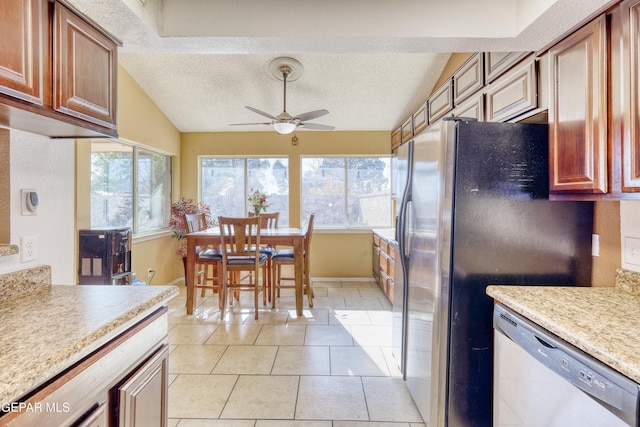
column 239, row 235
column 267, row 219
column 195, row 222
column 308, row 231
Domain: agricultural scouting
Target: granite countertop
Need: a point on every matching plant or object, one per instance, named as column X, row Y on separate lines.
column 604, row 322
column 47, row 330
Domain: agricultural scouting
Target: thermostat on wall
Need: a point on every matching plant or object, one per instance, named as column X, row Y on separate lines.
column 29, row 201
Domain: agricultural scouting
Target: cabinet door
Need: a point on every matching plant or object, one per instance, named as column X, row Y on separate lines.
column 473, row 108
column 407, row 130
column 85, row 63
column 396, row 139
column 21, row 49
column 578, row 111
column 631, row 124
column 514, row 94
column 441, row 101
column 420, row 119
column 142, row 400
column 468, row 79
column 496, row 63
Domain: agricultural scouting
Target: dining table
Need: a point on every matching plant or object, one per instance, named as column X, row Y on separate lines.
column 281, row 236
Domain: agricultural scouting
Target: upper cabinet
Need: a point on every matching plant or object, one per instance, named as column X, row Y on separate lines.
column 593, row 111
column 441, row 101
column 630, row 117
column 58, row 71
column 469, row 79
column 21, row 33
column 513, row 94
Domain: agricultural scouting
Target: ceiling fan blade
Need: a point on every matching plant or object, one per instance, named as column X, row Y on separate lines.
column 262, row 113
column 311, row 115
column 316, row 126
column 248, row 124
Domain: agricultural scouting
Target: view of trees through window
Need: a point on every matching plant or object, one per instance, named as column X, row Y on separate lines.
column 113, row 168
column 226, row 183
column 347, row 191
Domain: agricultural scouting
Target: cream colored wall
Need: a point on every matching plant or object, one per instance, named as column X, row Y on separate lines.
column 139, row 121
column 334, row 254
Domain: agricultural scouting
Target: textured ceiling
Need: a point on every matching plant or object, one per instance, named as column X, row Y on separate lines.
column 369, row 62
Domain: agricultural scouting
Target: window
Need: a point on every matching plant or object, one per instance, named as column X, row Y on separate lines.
column 347, row 191
column 119, row 200
column 227, row 182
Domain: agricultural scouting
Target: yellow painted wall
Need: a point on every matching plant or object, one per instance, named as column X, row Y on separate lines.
column 334, row 254
column 139, row 121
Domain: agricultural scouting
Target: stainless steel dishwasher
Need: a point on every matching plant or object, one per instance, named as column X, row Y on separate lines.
column 541, row 380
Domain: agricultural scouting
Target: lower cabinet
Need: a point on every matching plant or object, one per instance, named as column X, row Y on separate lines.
column 384, row 250
column 123, row 383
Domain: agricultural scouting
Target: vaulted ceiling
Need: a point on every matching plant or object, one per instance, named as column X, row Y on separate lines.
column 369, row 62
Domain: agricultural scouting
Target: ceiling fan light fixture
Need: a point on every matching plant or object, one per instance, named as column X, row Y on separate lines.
column 284, row 128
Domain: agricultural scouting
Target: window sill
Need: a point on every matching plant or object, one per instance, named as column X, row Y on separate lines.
column 143, row 237
column 329, row 230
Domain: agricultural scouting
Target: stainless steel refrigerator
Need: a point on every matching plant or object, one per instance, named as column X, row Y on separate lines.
column 474, row 211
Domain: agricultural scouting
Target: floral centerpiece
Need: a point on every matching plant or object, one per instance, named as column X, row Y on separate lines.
column 178, row 228
column 258, row 202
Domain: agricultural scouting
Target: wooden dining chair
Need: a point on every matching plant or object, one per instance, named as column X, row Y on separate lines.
column 239, row 237
column 206, row 256
column 285, row 257
column 267, row 220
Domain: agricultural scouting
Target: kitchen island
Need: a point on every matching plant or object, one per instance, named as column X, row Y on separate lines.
column 601, row 321
column 65, row 349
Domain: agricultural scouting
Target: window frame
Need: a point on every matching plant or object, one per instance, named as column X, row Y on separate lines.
column 246, row 189
column 135, row 148
column 346, row 157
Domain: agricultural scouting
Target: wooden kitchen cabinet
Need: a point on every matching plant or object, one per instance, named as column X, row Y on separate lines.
column 57, row 71
column 406, row 130
column 514, row 94
column 419, row 119
column 384, row 254
column 441, row 101
column 85, row 67
column 497, row 63
column 629, row 60
column 578, row 111
column 396, row 139
column 468, row 79
column 21, row 37
column 472, row 108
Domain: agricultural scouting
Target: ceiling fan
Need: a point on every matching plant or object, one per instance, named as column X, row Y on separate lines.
column 284, row 123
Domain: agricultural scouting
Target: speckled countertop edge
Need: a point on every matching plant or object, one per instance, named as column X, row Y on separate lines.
column 44, row 332
column 388, row 234
column 604, row 322
column 6, row 250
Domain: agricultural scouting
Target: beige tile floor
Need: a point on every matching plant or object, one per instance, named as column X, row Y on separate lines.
column 330, row 368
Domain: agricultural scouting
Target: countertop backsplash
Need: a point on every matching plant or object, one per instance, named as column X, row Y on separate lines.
column 24, row 281
column 628, row 281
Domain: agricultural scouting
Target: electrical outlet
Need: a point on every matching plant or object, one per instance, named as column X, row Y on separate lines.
column 632, row 250
column 150, row 272
column 28, row 248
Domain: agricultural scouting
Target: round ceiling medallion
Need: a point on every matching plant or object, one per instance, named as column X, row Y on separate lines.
column 292, row 65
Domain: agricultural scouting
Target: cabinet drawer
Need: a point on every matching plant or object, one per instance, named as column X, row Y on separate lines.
column 391, row 265
column 383, row 261
column 392, row 252
column 384, row 246
column 376, row 240
column 514, row 94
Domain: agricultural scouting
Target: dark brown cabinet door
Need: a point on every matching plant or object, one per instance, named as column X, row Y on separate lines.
column 21, row 50
column 578, row 111
column 85, row 62
column 142, row 400
column 631, row 122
